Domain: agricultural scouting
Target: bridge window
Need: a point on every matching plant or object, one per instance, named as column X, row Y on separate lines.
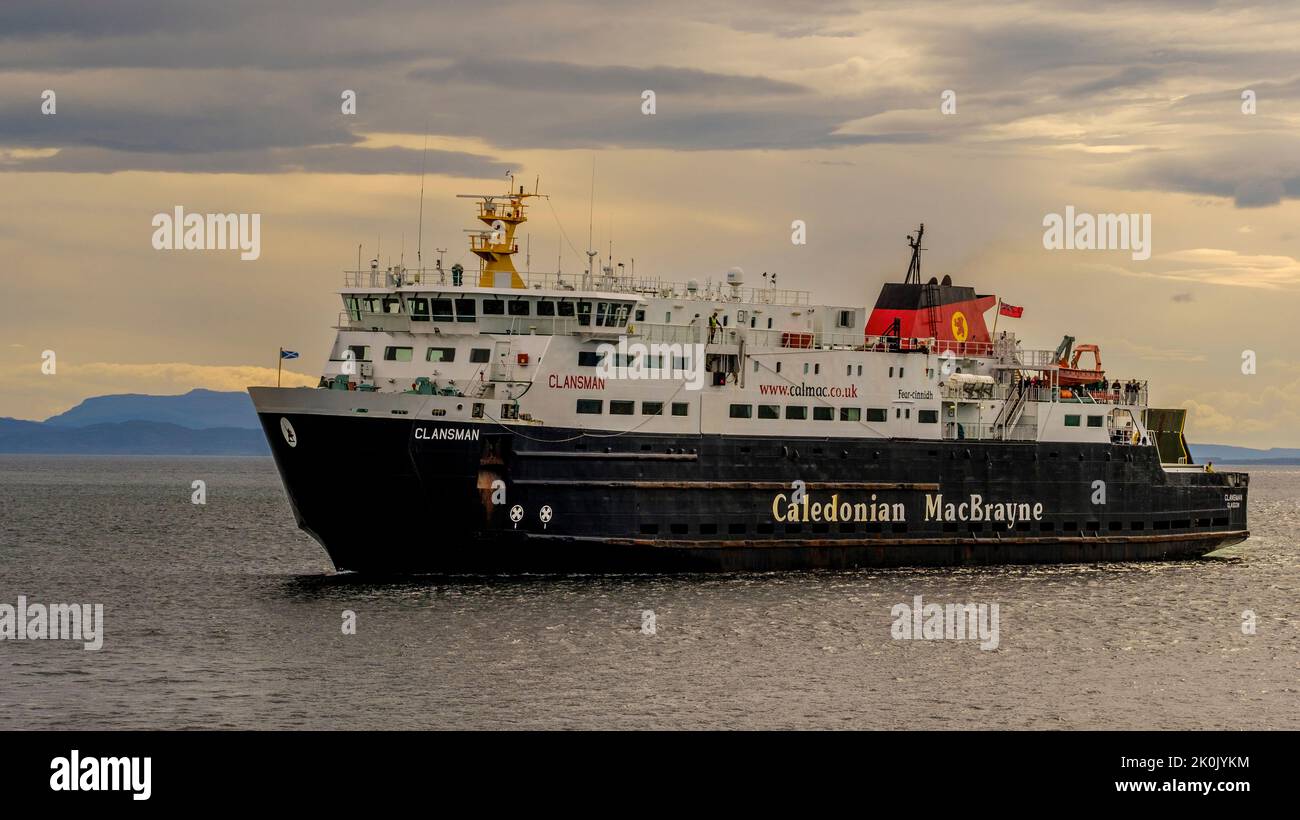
column 465, row 310
column 397, row 354
column 545, row 308
column 392, row 304
column 590, row 407
column 742, row 411
column 440, row 354
column 419, row 309
column 441, row 309
column 564, row 308
column 519, row 307
column 1072, row 421
column 494, row 307
column 584, row 313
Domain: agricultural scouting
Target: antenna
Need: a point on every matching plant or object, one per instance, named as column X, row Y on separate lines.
column 419, row 241
column 914, row 268
column 591, row 217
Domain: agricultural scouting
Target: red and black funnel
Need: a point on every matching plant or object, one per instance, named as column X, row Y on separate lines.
column 944, row 312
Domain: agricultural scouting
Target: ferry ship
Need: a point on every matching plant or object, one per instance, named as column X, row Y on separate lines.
column 506, row 421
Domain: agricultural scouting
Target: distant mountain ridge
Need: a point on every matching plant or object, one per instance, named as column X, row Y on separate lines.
column 198, row 409
column 1227, row 453
column 133, row 438
column 200, row 422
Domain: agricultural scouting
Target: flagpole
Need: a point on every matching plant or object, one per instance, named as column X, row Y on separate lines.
column 279, row 364
column 995, row 318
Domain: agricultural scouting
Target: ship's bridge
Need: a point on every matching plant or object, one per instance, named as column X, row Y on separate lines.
column 416, row 308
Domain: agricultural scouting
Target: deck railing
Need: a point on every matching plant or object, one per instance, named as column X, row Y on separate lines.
column 443, row 279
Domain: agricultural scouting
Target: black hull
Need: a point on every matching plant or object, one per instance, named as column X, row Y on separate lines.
column 397, row 496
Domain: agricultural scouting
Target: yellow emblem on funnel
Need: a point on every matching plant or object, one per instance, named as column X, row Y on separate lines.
column 960, row 330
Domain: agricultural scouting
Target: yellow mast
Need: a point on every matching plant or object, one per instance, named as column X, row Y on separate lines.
column 502, row 214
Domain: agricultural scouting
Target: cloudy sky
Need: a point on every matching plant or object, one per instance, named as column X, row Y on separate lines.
column 766, row 112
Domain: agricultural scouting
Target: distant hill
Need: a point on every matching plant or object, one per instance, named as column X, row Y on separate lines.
column 197, row 410
column 1239, row 455
column 133, row 438
column 200, row 422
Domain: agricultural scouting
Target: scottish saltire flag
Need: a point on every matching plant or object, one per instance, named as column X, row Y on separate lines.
column 288, row 354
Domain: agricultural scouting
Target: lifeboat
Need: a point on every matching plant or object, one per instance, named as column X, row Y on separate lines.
column 1071, row 374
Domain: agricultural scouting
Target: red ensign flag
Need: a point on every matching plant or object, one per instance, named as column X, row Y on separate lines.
column 1011, row 310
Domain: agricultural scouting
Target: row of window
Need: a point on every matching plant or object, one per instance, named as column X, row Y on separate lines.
column 1073, row 421
column 799, row 412
column 594, row 407
column 795, row 412
column 592, row 358
column 424, row 309
column 394, row 353
column 848, row 369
